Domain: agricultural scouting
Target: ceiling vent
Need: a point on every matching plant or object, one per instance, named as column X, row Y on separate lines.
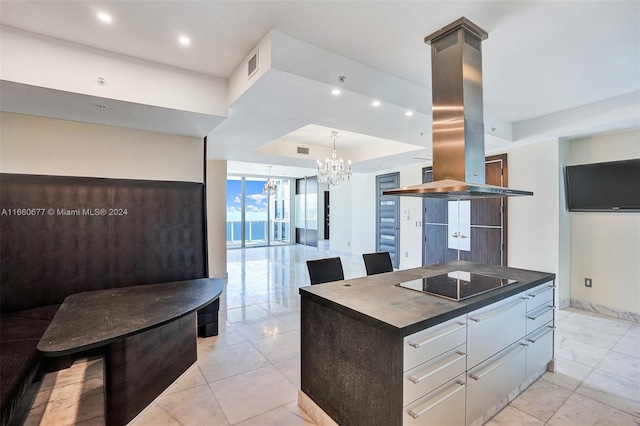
column 302, row 150
column 252, row 65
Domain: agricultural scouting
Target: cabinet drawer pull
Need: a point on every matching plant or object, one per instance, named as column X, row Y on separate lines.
column 490, row 368
column 534, row 317
column 543, row 334
column 497, row 312
column 542, row 290
column 459, row 326
column 456, row 357
column 418, row 411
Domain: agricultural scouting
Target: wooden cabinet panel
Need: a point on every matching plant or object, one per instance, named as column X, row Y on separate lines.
column 485, row 246
column 436, row 250
column 488, row 223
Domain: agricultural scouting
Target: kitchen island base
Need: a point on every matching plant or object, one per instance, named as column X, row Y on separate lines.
column 376, row 354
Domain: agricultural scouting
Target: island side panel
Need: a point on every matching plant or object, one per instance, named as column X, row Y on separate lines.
column 351, row 369
column 138, row 368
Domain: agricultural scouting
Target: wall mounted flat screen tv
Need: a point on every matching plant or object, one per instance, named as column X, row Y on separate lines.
column 603, row 187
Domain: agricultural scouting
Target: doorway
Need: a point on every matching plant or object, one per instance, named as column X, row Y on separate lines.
column 387, row 216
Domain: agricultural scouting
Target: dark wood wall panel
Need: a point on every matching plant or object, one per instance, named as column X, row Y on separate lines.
column 488, row 221
column 485, row 246
column 61, row 242
column 436, row 249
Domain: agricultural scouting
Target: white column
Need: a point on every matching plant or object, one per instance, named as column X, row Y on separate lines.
column 217, row 217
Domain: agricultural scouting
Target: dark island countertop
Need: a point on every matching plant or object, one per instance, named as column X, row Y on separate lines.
column 377, row 300
column 95, row 318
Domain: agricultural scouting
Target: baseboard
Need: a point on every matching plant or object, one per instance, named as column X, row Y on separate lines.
column 605, row 310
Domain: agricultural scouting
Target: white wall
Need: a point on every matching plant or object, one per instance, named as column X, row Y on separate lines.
column 353, row 216
column 217, row 217
column 74, row 68
column 37, row 145
column 606, row 246
column 533, row 221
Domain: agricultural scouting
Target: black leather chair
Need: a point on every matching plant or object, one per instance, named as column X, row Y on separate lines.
column 325, row 270
column 377, row 263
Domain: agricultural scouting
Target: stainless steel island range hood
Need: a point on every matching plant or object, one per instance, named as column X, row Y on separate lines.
column 458, row 128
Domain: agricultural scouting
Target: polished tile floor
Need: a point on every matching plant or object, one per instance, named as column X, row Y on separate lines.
column 250, row 373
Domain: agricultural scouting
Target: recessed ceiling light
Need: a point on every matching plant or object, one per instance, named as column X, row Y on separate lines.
column 104, row 17
column 375, row 103
column 408, row 113
column 184, row 40
column 336, row 92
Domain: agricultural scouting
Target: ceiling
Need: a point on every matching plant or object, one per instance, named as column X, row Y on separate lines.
column 545, row 62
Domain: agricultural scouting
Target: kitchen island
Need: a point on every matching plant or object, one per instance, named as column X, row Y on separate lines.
column 374, row 353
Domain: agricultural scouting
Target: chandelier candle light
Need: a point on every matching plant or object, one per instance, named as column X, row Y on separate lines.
column 270, row 187
column 333, row 171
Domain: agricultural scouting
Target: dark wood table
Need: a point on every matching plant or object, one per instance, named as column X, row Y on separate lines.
column 149, row 334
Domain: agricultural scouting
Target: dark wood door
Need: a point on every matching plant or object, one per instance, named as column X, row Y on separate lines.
column 488, row 223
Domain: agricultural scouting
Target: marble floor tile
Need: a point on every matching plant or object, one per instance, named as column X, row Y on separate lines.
column 258, row 329
column 279, row 347
column 291, row 370
column 191, row 378
column 569, row 374
column 154, row 416
column 80, row 370
column 195, row 406
column 228, row 335
column 629, row 344
column 285, row 306
column 511, row 416
column 579, row 352
column 250, row 394
column 622, row 365
column 228, row 361
column 279, row 417
column 623, row 394
column 68, row 405
column 579, row 410
column 589, row 336
column 292, row 320
column 588, row 320
column 541, row 399
column 246, row 313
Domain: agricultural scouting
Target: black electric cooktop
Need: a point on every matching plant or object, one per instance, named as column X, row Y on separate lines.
column 457, row 285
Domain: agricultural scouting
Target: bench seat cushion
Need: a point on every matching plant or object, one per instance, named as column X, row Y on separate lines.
column 20, row 333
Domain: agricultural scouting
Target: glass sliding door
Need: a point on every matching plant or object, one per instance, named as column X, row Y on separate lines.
column 279, row 213
column 234, row 212
column 255, row 219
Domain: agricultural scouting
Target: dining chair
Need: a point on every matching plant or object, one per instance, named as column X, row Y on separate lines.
column 325, row 270
column 377, row 263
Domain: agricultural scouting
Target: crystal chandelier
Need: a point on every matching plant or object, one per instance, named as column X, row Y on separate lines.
column 333, row 171
column 270, row 187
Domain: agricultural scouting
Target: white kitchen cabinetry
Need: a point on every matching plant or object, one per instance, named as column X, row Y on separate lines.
column 434, row 368
column 494, row 379
column 444, row 406
column 494, row 327
column 508, row 342
column 540, row 326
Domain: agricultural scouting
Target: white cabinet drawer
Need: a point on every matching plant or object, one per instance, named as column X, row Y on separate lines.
column 540, row 295
column 494, row 379
column 428, row 376
column 540, row 349
column 494, row 327
column 433, row 341
column 443, row 407
column 538, row 317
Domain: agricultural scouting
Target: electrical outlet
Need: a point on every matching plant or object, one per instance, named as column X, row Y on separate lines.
column 587, row 282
